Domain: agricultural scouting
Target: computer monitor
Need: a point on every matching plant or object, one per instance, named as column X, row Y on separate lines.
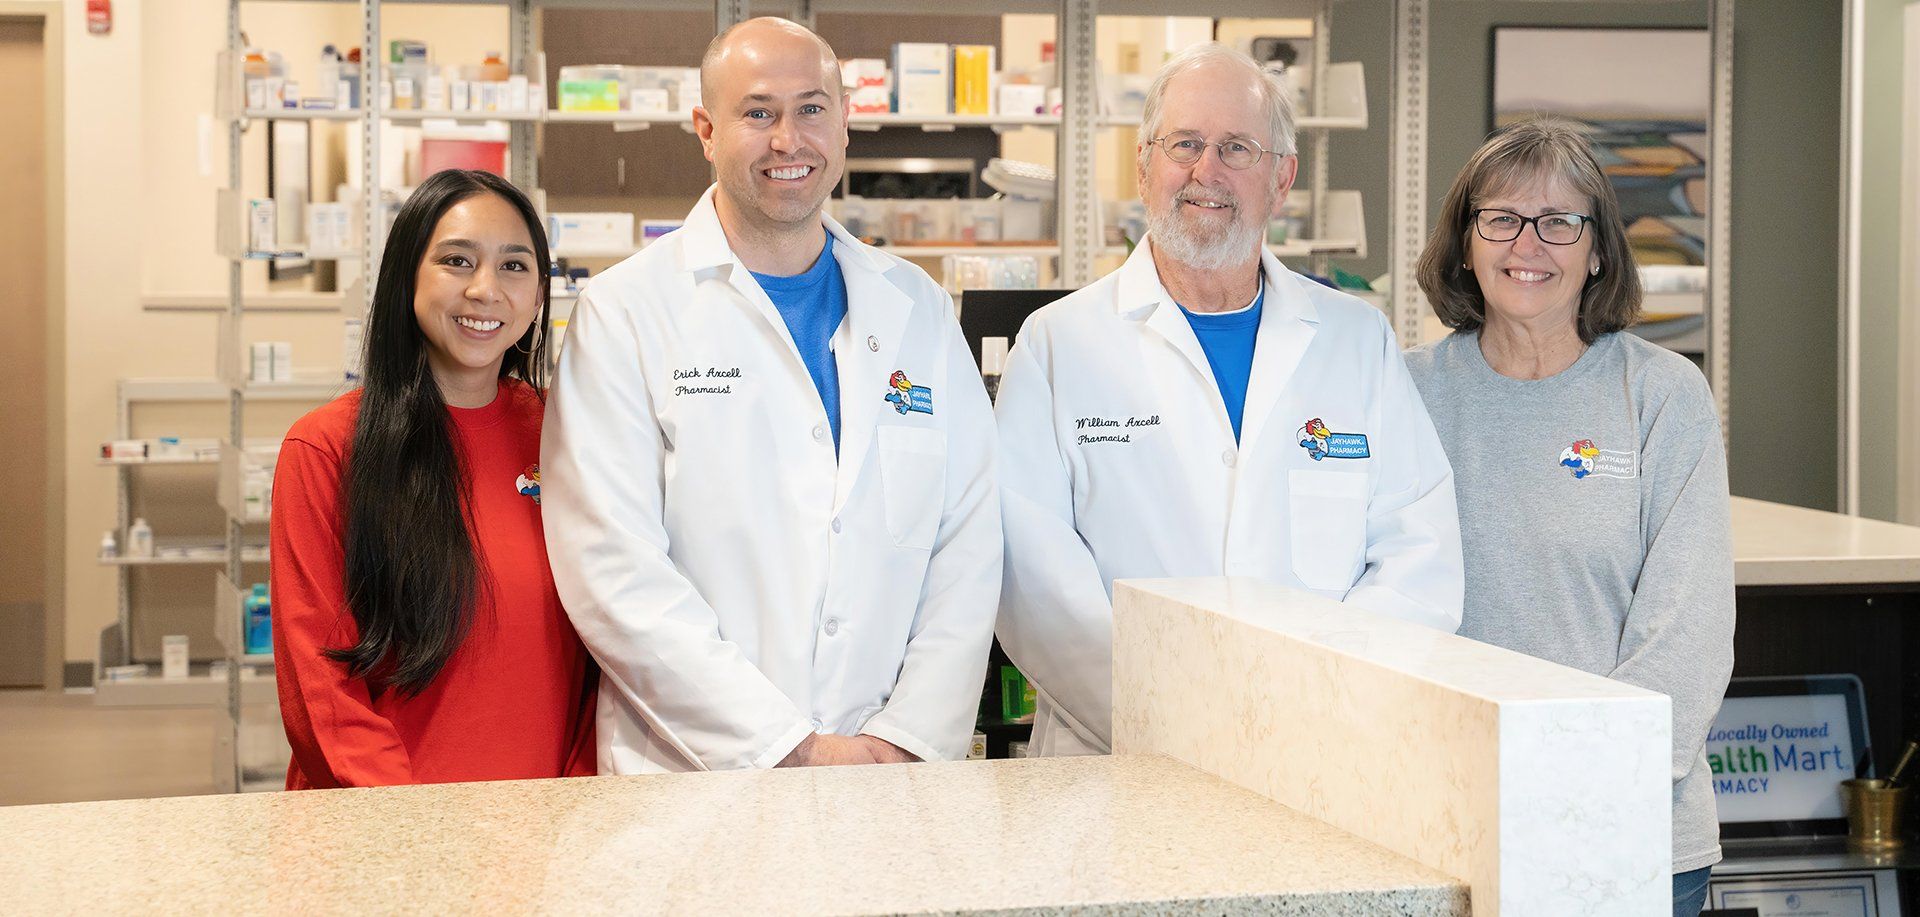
column 1779, row 749
column 999, row 313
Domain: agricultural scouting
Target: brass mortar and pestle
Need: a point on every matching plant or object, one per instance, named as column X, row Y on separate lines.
column 1876, row 808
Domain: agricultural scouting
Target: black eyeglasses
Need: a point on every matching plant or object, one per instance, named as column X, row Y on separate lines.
column 1186, row 148
column 1552, row 228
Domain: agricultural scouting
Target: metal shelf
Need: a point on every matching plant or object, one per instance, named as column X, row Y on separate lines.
column 308, row 390
column 199, row 690
column 296, row 255
column 1302, row 248
column 662, row 5
column 300, row 114
column 947, row 122
column 153, row 691
column 621, row 120
column 1298, row 248
column 212, row 556
column 160, row 460
column 421, row 114
column 873, row 121
column 1040, row 250
column 1303, row 123
column 313, row 389
column 308, row 303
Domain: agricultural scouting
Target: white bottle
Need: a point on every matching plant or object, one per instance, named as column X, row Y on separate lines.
column 175, row 657
column 139, row 539
column 109, row 546
column 434, row 95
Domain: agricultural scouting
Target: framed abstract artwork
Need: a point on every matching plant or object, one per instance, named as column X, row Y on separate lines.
column 1643, row 96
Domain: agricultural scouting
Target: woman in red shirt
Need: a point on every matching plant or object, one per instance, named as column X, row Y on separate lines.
column 417, row 635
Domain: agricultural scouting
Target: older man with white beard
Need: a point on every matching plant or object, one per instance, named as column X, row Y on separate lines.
column 1204, row 411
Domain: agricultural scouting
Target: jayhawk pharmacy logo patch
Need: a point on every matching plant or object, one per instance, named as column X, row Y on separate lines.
column 1587, row 460
column 1322, row 443
column 528, row 483
column 905, row 396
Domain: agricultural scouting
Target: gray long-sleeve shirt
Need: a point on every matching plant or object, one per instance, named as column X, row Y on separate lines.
column 1595, row 522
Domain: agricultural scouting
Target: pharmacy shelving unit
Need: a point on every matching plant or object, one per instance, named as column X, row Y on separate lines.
column 1081, row 237
column 241, row 681
column 171, row 549
column 1339, row 104
column 249, row 677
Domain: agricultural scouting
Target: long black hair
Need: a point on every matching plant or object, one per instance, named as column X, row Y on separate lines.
column 411, row 574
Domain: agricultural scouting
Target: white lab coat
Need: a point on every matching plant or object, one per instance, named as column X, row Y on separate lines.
column 1172, row 494
column 740, row 587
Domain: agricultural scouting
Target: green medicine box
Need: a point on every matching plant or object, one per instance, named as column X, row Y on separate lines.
column 589, row 95
column 1016, row 694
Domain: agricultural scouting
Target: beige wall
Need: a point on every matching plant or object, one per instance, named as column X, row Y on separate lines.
column 139, row 219
column 104, row 328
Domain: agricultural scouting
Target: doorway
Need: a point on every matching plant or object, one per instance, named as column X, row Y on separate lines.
column 24, row 504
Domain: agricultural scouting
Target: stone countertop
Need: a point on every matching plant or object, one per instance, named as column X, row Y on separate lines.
column 1122, row 835
column 1779, row 545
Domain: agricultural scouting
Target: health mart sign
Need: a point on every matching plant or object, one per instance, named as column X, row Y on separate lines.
column 1776, row 758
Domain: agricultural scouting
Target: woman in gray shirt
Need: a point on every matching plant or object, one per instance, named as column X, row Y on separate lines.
column 1588, row 463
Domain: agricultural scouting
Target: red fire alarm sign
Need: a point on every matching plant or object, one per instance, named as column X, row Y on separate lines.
column 99, row 16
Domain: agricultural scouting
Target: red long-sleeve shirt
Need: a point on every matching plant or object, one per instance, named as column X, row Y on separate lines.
column 515, row 700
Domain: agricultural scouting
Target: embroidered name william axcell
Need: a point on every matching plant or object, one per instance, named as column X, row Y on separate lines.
column 1098, row 424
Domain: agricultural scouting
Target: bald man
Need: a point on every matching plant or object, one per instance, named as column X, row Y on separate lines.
column 768, row 489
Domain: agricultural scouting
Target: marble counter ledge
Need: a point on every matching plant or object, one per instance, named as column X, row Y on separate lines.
column 1119, row 835
column 1546, row 789
column 1779, row 545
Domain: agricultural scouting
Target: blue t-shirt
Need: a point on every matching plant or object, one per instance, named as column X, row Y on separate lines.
column 813, row 304
column 1227, row 339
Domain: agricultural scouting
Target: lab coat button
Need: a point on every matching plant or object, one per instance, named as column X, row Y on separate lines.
column 817, row 724
column 836, row 525
column 833, row 626
column 1227, row 458
column 819, row 432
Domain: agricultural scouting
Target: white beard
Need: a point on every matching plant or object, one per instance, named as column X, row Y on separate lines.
column 1206, row 250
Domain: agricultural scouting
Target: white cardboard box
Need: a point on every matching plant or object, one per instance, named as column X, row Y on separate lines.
column 597, row 232
column 922, row 78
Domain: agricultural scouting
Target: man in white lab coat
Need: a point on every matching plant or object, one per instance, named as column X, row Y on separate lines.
column 768, row 487
column 1203, row 411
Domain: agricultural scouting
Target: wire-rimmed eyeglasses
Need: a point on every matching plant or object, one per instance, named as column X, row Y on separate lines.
column 1186, row 148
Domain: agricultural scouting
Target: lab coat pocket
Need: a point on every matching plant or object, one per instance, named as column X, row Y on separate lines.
column 913, row 468
column 1328, row 527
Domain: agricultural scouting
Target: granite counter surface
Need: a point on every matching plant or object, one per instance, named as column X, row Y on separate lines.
column 1121, row 835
